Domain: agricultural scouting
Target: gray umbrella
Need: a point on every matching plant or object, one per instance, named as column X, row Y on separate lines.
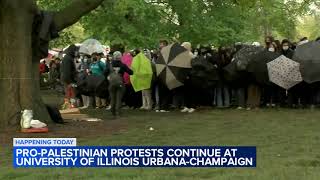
column 308, row 55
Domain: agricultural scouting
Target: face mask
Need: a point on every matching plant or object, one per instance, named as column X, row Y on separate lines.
column 196, row 53
column 285, row 48
column 271, row 49
column 85, row 60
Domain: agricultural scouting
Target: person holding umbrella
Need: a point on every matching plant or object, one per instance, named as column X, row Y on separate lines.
column 293, row 93
column 114, row 73
column 84, row 70
column 163, row 95
column 222, row 90
column 97, row 68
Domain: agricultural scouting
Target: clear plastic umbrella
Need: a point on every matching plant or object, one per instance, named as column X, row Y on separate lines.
column 91, row 46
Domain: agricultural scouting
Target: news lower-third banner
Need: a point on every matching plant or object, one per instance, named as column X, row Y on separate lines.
column 63, row 152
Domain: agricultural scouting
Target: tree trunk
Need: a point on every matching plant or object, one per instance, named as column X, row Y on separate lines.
column 19, row 72
column 16, row 77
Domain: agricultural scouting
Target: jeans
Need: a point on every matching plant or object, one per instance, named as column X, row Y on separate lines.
column 240, row 96
column 85, row 100
column 147, row 99
column 223, row 96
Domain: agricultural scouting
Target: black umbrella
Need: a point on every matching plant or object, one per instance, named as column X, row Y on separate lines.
column 258, row 66
column 234, row 76
column 173, row 65
column 93, row 86
column 243, row 57
column 203, row 74
column 308, row 55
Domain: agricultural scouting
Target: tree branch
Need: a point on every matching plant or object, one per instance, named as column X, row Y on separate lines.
column 72, row 13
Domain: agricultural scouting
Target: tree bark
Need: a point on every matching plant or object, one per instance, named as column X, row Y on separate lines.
column 15, row 59
column 71, row 14
column 19, row 71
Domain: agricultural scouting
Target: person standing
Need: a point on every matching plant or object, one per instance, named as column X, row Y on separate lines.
column 84, row 70
column 147, row 102
column 271, row 92
column 163, row 94
column 115, row 72
column 97, row 68
column 54, row 74
column 68, row 76
column 186, row 90
column 222, row 90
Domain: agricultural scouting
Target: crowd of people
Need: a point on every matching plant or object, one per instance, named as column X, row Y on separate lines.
column 187, row 98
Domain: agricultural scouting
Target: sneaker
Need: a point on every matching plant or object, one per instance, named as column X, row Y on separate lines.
column 108, row 108
column 191, row 110
column 239, row 108
column 157, row 110
column 185, row 110
column 248, row 109
column 164, row 111
column 148, row 108
column 37, row 124
column 143, row 108
column 84, row 107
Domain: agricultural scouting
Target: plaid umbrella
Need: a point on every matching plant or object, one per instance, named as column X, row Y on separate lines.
column 284, row 72
column 173, row 65
column 308, row 55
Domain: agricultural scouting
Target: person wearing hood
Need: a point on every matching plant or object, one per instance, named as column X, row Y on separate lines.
column 68, row 75
column 114, row 73
column 188, row 100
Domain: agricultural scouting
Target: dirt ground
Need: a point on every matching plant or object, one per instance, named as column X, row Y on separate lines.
column 70, row 129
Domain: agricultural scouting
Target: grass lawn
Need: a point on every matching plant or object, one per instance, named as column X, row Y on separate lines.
column 288, row 143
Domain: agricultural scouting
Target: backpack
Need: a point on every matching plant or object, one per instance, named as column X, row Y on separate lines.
column 115, row 80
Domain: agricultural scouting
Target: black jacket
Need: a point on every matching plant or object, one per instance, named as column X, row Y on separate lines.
column 288, row 53
column 118, row 64
column 68, row 68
